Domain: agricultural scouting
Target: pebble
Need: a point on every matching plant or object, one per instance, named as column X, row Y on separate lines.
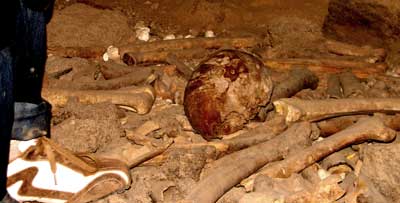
column 143, row 33
column 169, row 37
column 209, row 33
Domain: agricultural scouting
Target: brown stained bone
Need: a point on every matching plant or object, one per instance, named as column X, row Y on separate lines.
column 190, row 43
column 334, row 125
column 226, row 146
column 139, row 134
column 183, row 68
column 345, row 156
column 151, row 153
column 231, row 169
column 111, row 70
column 134, row 156
column 298, row 79
column 364, row 130
column 334, row 89
column 81, row 52
column 222, row 147
column 136, row 77
column 324, row 66
column 156, row 57
column 57, row 75
column 137, row 99
column 254, row 137
column 351, row 85
column 315, row 110
column 340, row 48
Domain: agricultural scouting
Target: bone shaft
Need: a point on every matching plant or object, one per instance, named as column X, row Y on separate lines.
column 134, row 78
column 190, row 43
column 314, row 110
column 241, row 164
column 139, row 99
column 334, row 125
column 183, row 68
column 300, row 78
column 111, row 70
column 154, row 57
column 114, row 70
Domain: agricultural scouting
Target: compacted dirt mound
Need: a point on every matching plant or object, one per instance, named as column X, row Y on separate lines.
column 363, row 20
column 87, row 128
column 80, row 25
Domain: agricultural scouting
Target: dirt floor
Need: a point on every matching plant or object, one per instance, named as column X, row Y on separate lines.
column 136, row 113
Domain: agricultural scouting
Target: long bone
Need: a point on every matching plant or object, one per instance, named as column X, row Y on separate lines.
column 231, row 169
column 139, row 99
column 315, row 110
column 364, row 130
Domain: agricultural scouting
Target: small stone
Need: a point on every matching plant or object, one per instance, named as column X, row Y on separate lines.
column 143, row 34
column 105, row 57
column 322, row 173
column 112, row 53
column 209, row 33
column 169, row 37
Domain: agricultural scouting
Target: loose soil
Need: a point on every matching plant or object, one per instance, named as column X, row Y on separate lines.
column 286, row 29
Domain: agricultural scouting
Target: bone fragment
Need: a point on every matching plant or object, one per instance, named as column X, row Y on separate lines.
column 143, row 130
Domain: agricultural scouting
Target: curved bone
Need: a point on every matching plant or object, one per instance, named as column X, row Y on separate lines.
column 364, row 130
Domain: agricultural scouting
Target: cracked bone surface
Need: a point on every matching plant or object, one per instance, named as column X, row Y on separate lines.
column 138, row 99
column 315, row 110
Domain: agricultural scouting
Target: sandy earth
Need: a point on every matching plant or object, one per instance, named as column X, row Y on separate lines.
column 290, row 28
